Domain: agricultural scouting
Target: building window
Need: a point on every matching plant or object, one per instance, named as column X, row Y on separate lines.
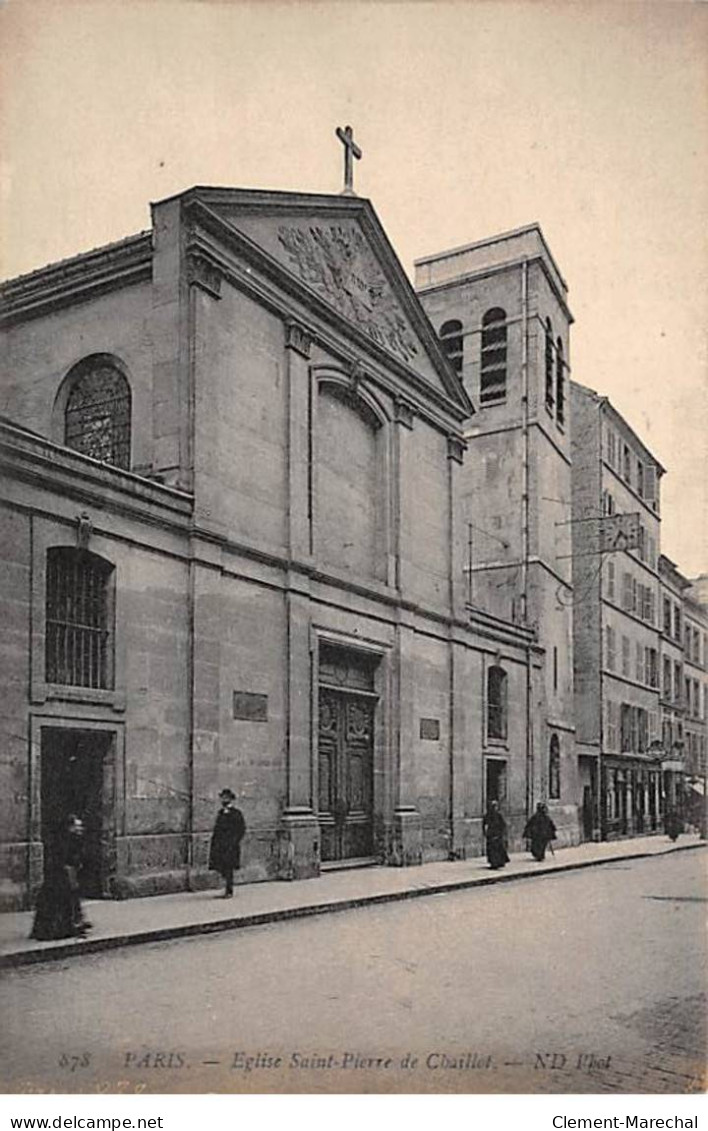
column 554, row 769
column 560, row 383
column 611, row 581
column 640, row 479
column 611, row 654
column 627, row 724
column 626, row 464
column 667, row 616
column 625, row 656
column 667, row 678
column 492, row 385
column 549, row 365
column 79, row 619
column 97, row 412
column 611, row 447
column 677, row 683
column 650, row 494
column 497, row 697
column 642, row 730
column 639, row 663
column 452, row 344
column 677, row 623
column 652, row 667
column 611, row 714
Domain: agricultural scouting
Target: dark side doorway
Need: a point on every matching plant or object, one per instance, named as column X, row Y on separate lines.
column 72, row 781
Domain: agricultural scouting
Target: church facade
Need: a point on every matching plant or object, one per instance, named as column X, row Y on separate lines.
column 235, row 553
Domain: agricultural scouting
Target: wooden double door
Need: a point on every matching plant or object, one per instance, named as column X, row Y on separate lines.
column 346, row 774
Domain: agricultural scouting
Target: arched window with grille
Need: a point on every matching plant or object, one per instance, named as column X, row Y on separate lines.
column 550, row 399
column 497, row 702
column 97, row 411
column 492, row 381
column 79, row 619
column 452, row 344
column 554, row 769
column 560, row 383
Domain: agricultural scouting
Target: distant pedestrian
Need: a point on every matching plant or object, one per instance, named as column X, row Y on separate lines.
column 539, row 832
column 59, row 914
column 673, row 825
column 225, row 848
column 494, row 831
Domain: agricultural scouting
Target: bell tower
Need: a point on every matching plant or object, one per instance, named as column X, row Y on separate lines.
column 500, row 309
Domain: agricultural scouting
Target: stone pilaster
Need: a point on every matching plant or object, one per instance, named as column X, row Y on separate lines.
column 458, row 530
column 298, row 343
column 300, row 852
column 407, row 832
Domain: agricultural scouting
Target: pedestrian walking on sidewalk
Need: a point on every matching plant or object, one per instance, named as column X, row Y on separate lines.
column 673, row 825
column 539, row 832
column 494, row 832
column 59, row 914
column 225, row 848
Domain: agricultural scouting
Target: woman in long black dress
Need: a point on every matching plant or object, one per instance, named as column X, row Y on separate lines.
column 58, row 914
column 494, row 830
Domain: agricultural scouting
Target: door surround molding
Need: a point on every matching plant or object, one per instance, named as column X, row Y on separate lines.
column 113, row 793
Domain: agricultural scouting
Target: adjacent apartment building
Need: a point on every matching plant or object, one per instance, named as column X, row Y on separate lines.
column 617, row 642
column 695, row 672
column 673, row 587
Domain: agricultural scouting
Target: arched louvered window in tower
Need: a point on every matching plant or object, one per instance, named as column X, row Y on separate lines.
column 497, row 702
column 550, row 399
column 97, row 411
column 560, row 383
column 451, row 341
column 492, row 382
column 79, row 619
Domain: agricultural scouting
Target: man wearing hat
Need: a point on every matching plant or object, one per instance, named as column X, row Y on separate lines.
column 225, row 848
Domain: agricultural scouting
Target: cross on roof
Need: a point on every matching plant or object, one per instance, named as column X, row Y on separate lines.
column 351, row 150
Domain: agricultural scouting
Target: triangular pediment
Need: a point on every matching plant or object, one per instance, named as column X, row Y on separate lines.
column 335, row 247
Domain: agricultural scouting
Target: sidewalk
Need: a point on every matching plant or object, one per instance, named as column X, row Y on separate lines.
column 155, row 918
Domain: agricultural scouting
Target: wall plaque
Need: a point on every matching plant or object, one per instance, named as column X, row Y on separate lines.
column 430, row 729
column 250, row 707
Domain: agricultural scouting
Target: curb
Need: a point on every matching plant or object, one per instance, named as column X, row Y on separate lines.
column 259, row 919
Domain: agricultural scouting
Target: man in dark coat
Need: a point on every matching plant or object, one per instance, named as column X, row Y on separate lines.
column 494, row 832
column 539, row 832
column 59, row 914
column 225, row 849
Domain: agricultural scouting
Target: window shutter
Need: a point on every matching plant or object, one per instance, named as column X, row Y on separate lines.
column 650, row 484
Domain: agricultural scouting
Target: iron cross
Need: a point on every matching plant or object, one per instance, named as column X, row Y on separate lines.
column 351, row 150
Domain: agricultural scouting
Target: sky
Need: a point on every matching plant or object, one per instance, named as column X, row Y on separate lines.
column 473, row 117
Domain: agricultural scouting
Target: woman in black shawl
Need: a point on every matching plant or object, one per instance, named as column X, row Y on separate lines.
column 539, row 832
column 494, row 831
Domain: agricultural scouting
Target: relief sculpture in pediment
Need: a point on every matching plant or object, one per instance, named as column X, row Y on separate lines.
column 337, row 262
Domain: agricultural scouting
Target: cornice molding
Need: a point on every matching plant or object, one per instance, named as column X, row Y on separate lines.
column 76, row 280
column 71, row 475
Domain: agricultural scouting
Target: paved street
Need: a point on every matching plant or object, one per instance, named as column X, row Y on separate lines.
column 585, row 981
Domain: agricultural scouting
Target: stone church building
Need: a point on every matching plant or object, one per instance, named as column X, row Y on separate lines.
column 237, row 488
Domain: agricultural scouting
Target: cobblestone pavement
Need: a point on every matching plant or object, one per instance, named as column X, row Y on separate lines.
column 590, row 981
